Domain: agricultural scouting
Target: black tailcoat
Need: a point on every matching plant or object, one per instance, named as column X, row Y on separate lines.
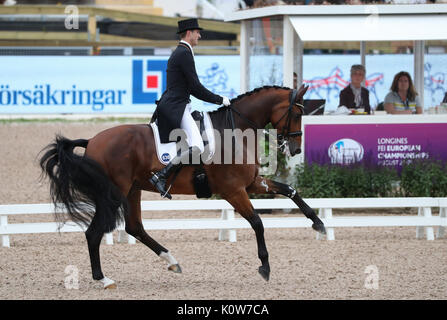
column 181, row 82
column 347, row 98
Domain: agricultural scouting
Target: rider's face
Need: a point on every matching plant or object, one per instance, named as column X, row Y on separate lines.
column 194, row 36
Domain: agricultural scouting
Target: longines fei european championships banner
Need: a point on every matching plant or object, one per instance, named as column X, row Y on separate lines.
column 387, row 144
column 132, row 84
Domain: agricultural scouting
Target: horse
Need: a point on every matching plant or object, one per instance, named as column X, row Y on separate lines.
column 102, row 187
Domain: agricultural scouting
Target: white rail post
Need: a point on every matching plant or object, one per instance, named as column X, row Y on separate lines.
column 426, row 213
column 227, row 234
column 428, row 230
column 441, row 229
column 326, row 213
column 329, row 231
column 4, row 224
column 419, row 230
column 123, row 236
column 109, row 238
column 321, row 214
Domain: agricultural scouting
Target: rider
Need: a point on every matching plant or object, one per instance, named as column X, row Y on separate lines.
column 174, row 108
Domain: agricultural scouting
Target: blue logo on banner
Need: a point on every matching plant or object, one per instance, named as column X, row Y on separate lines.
column 165, row 157
column 148, row 80
column 345, row 151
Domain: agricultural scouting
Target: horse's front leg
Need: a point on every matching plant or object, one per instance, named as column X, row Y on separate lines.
column 241, row 203
column 267, row 186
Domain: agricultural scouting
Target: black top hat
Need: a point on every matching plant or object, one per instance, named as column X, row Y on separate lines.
column 189, row 24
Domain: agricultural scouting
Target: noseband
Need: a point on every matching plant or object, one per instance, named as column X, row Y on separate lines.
column 285, row 132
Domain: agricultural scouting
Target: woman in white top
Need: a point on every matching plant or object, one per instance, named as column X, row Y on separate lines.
column 402, row 99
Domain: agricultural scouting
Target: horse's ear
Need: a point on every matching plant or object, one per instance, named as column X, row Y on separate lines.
column 302, row 90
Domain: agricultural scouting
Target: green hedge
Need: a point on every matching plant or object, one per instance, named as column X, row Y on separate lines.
column 416, row 179
column 424, row 179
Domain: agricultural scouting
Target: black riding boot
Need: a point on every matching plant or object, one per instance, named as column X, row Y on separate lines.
column 159, row 178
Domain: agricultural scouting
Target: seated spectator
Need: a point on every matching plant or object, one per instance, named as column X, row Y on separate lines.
column 402, row 99
column 354, row 96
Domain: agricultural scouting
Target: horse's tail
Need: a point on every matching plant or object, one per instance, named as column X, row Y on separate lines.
column 80, row 185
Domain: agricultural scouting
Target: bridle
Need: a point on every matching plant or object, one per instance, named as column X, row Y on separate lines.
column 285, row 132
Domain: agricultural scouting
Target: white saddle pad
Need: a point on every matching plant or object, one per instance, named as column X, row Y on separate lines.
column 167, row 151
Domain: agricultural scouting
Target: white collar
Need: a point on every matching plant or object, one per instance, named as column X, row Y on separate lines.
column 190, row 47
column 354, row 89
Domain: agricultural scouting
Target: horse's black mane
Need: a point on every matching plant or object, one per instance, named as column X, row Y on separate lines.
column 239, row 97
column 255, row 91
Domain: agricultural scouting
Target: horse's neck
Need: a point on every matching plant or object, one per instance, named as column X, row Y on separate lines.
column 257, row 110
column 256, row 113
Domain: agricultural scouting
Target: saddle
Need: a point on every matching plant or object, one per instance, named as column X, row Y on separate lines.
column 167, row 151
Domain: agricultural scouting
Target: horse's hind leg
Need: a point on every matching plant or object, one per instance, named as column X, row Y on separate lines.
column 242, row 204
column 94, row 236
column 267, row 186
column 134, row 227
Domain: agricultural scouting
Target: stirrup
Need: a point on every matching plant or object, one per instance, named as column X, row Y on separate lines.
column 167, row 194
column 157, row 183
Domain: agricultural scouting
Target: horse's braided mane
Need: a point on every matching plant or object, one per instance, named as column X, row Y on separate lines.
column 239, row 97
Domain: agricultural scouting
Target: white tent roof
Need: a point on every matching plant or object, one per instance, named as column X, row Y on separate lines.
column 370, row 28
column 346, row 23
column 337, row 10
column 358, row 22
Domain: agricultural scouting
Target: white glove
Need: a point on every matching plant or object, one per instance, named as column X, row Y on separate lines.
column 225, row 101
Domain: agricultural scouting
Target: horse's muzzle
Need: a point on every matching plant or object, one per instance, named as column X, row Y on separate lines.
column 295, row 151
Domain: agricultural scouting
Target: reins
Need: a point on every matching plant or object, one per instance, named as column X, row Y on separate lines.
column 254, row 126
column 231, row 117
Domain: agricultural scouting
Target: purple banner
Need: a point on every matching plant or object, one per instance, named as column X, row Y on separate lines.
column 381, row 144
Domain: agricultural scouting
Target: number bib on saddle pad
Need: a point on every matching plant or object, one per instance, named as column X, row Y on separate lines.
column 167, row 151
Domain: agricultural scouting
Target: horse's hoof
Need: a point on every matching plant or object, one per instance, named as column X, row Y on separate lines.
column 110, row 286
column 108, row 283
column 264, row 273
column 175, row 268
column 319, row 226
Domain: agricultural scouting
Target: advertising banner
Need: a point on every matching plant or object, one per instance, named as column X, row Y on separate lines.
column 118, row 84
column 132, row 84
column 376, row 144
column 80, row 84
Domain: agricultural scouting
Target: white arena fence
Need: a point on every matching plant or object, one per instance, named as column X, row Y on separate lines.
column 227, row 224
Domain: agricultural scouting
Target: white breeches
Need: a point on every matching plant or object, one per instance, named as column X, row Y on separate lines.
column 188, row 124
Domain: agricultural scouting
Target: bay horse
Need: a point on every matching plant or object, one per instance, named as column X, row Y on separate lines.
column 102, row 187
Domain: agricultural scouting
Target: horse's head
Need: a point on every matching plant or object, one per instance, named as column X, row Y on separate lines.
column 286, row 119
